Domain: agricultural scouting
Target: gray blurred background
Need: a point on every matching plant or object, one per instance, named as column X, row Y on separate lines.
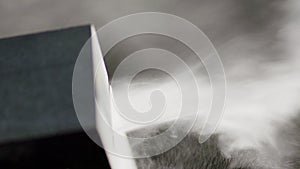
column 241, row 26
column 26, row 16
column 212, row 16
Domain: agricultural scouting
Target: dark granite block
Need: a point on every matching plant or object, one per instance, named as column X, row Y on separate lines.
column 36, row 83
column 38, row 124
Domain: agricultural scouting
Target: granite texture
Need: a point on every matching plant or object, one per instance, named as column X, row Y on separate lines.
column 36, row 83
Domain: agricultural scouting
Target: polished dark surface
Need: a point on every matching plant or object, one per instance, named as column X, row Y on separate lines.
column 38, row 124
column 36, row 83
